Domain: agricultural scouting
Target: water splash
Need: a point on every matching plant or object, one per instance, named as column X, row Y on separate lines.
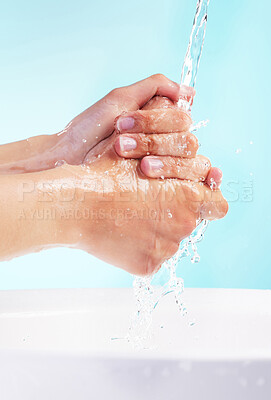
column 196, row 126
column 146, row 299
column 147, row 296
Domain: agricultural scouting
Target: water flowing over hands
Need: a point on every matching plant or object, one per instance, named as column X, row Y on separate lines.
column 161, row 128
column 136, row 218
column 156, row 214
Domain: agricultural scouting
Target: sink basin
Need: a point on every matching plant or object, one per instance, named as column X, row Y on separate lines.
column 57, row 344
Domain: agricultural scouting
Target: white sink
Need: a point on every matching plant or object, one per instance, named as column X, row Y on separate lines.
column 57, row 344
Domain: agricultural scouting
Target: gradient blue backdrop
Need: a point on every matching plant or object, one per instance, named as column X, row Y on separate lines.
column 59, row 57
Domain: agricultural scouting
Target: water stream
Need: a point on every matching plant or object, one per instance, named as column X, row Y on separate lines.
column 146, row 295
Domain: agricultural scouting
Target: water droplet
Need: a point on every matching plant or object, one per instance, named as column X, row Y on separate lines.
column 251, row 142
column 84, row 140
column 195, row 259
column 169, row 214
column 238, row 151
column 59, row 163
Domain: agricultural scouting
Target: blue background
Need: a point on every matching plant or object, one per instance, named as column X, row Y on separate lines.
column 59, row 57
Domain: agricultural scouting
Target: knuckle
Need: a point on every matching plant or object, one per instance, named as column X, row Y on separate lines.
column 151, row 144
column 142, row 142
column 159, row 77
column 169, row 166
column 205, row 161
column 115, row 93
column 192, row 142
column 176, row 164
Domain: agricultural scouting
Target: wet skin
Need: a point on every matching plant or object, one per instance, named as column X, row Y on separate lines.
column 107, row 199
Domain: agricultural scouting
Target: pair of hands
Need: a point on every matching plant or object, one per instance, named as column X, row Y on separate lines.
column 116, row 210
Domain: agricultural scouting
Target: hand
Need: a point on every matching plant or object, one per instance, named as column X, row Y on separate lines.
column 161, row 128
column 136, row 232
column 184, row 201
column 137, row 223
column 85, row 131
column 107, row 208
column 92, row 126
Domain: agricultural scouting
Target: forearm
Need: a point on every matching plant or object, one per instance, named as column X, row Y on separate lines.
column 32, row 213
column 33, row 154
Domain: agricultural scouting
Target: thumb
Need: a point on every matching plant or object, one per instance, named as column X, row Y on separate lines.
column 97, row 122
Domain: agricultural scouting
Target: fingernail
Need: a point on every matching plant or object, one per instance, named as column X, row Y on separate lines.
column 127, row 144
column 155, row 163
column 125, row 123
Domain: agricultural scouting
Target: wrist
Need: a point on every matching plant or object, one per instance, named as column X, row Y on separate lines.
column 25, row 227
column 73, row 199
column 46, row 206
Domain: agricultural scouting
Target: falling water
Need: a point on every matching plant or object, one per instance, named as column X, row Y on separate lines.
column 195, row 46
column 147, row 298
column 140, row 329
column 188, row 78
column 194, row 49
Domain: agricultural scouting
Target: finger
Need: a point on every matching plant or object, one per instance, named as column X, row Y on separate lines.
column 213, row 204
column 159, row 102
column 187, row 93
column 102, row 114
column 204, row 202
column 171, row 144
column 155, row 85
column 154, row 121
column 194, row 169
column 214, row 178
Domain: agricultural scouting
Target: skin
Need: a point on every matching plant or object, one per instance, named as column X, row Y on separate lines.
column 85, row 131
column 122, row 207
column 113, row 203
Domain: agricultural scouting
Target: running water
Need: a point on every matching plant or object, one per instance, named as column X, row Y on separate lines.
column 147, row 296
column 140, row 332
column 194, row 50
